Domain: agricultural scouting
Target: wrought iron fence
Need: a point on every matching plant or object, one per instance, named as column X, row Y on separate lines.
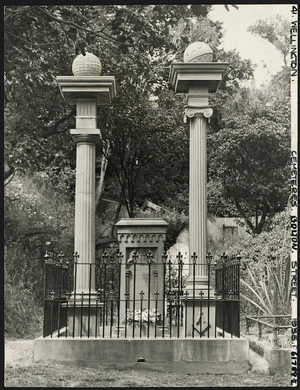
column 142, row 297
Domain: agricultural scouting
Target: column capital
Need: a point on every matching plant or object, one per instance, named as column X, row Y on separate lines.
column 191, row 112
column 85, row 135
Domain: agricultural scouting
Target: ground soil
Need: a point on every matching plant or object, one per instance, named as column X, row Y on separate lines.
column 21, row 371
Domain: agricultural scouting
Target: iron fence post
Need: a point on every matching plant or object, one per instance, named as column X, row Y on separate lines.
column 75, row 256
column 134, row 256
column 275, row 336
column 209, row 258
column 179, row 260
column 259, row 324
column 120, row 258
column 185, row 315
column 194, row 259
column 156, row 303
column 149, row 259
column 141, row 315
column 164, row 259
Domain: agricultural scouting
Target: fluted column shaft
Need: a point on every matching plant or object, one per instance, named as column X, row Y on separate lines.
column 85, row 136
column 198, row 110
column 84, row 242
column 198, row 193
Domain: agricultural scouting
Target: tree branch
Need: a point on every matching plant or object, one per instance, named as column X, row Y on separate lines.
column 20, row 9
column 28, row 42
column 248, row 220
column 35, row 232
column 47, row 132
column 8, row 173
column 62, row 21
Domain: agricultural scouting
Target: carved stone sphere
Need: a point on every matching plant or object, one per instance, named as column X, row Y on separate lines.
column 198, row 52
column 88, row 65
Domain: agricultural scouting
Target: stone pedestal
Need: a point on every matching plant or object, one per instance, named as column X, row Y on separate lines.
column 84, row 320
column 202, row 314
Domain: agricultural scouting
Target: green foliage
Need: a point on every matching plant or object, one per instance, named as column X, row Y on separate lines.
column 249, row 158
column 136, row 44
column 177, row 222
column 276, row 31
column 35, row 216
column 23, row 316
column 265, row 269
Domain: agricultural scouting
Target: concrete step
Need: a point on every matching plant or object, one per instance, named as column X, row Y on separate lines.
column 258, row 364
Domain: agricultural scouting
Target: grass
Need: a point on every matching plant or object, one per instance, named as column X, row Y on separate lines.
column 55, row 375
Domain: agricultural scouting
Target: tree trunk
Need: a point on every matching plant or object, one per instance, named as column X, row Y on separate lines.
column 242, row 213
column 117, row 213
column 100, row 185
column 8, row 173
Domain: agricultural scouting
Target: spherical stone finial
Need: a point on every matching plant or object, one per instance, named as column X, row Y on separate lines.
column 88, row 65
column 198, row 52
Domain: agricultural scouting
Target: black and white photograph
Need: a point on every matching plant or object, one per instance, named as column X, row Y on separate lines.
column 150, row 194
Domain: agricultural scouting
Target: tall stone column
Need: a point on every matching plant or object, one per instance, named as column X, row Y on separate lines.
column 197, row 76
column 86, row 89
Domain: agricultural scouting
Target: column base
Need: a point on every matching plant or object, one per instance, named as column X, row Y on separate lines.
column 84, row 321
column 84, row 314
column 85, row 295
column 199, row 317
column 199, row 283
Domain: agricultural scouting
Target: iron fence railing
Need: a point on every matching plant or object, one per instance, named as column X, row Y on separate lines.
column 141, row 298
column 275, row 326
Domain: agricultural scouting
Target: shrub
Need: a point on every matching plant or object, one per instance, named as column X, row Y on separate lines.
column 265, row 269
column 35, row 214
column 23, row 315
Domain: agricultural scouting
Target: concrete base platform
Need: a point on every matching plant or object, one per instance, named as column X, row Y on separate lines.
column 205, row 355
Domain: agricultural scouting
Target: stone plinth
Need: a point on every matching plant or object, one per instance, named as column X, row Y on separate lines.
column 184, row 75
column 84, row 320
column 202, row 314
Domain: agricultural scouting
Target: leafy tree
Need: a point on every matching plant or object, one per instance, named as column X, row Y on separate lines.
column 39, row 39
column 249, row 158
column 35, row 215
column 238, row 71
column 275, row 31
